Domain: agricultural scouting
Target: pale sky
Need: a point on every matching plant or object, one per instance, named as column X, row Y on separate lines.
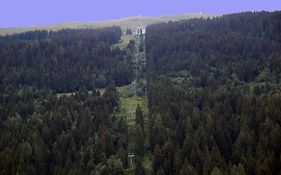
column 19, row 13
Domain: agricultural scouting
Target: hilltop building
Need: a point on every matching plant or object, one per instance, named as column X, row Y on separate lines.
column 140, row 31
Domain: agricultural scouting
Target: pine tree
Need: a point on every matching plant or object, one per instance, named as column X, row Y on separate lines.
column 160, row 171
column 237, row 170
column 158, row 158
column 104, row 170
column 216, row 171
column 139, row 138
column 129, row 31
column 188, row 169
column 139, row 170
column 139, row 117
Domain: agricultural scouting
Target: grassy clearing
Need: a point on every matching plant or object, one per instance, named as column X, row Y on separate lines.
column 68, row 94
column 129, row 103
column 129, row 106
column 129, row 172
column 125, row 39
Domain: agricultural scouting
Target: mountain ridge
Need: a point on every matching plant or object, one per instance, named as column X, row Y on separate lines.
column 127, row 22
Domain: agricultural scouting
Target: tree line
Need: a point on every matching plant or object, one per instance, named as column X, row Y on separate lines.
column 64, row 60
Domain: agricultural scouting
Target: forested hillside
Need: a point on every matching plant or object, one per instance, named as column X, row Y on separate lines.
column 64, row 60
column 43, row 131
column 214, row 99
column 45, row 134
column 214, row 95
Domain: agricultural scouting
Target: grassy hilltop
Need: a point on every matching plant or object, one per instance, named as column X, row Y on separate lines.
column 124, row 23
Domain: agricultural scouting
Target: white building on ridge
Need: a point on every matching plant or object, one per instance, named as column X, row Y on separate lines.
column 140, row 31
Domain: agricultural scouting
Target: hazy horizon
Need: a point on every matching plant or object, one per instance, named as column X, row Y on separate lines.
column 110, row 19
column 33, row 13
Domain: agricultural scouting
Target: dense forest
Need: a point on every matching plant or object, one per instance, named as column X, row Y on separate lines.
column 44, row 132
column 213, row 87
column 214, row 95
column 64, row 60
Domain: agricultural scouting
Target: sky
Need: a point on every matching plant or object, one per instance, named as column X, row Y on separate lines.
column 22, row 13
